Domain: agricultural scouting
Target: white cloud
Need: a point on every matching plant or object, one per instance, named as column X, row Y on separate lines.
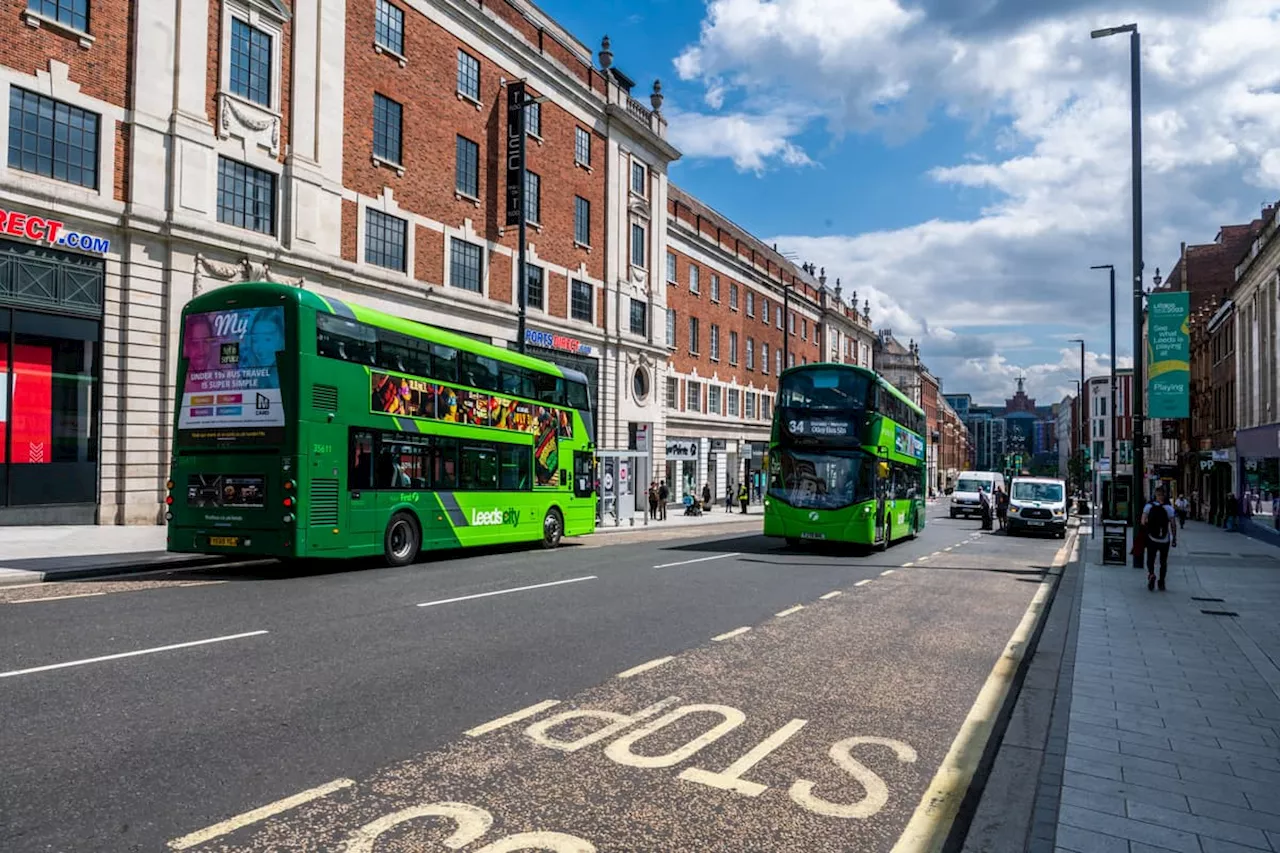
column 1050, row 112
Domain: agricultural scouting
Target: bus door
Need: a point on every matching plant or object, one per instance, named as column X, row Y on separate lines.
column 882, row 491
column 325, row 498
column 362, row 497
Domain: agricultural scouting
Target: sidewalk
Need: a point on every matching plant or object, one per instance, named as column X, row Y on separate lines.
column 677, row 518
column 1173, row 734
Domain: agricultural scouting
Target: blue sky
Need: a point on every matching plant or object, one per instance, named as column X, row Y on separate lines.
column 963, row 162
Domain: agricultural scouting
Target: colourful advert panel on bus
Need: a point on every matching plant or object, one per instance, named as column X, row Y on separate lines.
column 232, row 388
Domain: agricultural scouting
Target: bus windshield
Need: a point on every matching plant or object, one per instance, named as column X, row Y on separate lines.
column 823, row 480
column 831, row 389
column 1046, row 492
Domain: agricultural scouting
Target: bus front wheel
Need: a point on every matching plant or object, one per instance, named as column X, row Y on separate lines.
column 552, row 528
column 888, row 537
column 401, row 542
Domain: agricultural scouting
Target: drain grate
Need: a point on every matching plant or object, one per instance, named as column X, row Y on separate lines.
column 1195, row 598
column 1220, row 612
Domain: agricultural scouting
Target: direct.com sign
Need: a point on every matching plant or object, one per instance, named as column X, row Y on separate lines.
column 51, row 231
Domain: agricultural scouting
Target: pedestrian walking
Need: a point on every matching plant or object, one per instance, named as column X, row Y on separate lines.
column 663, row 495
column 653, row 500
column 1002, row 507
column 1182, row 507
column 1160, row 533
column 1231, row 512
column 728, row 498
column 985, row 500
column 706, row 496
column 743, row 497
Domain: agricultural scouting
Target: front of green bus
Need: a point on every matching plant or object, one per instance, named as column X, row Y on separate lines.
column 231, row 486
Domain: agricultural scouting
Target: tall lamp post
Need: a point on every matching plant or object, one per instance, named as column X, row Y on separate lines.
column 1112, row 433
column 1084, row 412
column 517, row 176
column 1075, row 428
column 1136, row 394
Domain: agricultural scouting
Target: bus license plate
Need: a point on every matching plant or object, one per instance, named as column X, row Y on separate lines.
column 811, row 535
column 1036, row 523
column 224, row 541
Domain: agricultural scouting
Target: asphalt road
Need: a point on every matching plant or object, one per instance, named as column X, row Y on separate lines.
column 814, row 729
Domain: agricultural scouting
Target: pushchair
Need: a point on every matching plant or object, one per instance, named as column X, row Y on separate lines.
column 691, row 506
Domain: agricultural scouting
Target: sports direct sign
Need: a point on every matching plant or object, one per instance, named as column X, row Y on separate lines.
column 53, row 232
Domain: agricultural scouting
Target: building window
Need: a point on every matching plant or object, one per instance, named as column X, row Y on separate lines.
column 791, row 323
column 693, row 279
column 535, row 286
column 581, row 297
column 582, row 220
column 693, row 396
column 715, row 342
column 779, row 316
column 532, row 197
column 638, row 181
column 715, row 288
column 581, row 146
column 733, row 347
column 468, row 76
column 246, row 196
column 766, row 407
column 751, row 304
column 750, row 406
column 250, row 63
column 53, row 139
column 671, row 328
column 693, row 335
column 388, row 27
column 733, row 296
column 777, row 361
column 465, row 270
column 639, row 317
column 751, row 354
column 386, row 128
column 671, row 267
column 533, row 119
column 637, row 245
column 764, row 357
column 467, row 171
column 713, row 399
column 804, row 329
column 73, row 13
column 673, row 393
column 384, row 240
column 791, row 359
column 733, row 402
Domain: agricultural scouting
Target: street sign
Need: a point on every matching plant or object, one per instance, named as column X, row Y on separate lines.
column 1168, row 355
column 1104, row 465
column 515, row 152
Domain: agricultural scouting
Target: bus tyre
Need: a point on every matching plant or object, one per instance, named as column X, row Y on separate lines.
column 552, row 528
column 403, row 539
column 888, row 536
column 793, row 542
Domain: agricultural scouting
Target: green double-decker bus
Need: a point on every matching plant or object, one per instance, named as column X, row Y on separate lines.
column 307, row 426
column 846, row 459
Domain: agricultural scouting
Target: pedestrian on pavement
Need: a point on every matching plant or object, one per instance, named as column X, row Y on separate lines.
column 1182, row 506
column 1275, row 510
column 1231, row 512
column 1002, row 507
column 743, row 497
column 663, row 494
column 728, row 498
column 706, row 496
column 985, row 500
column 1161, row 532
column 653, row 500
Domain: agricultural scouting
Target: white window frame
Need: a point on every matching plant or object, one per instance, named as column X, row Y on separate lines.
column 673, row 393
column 714, row 342
column 751, row 304
column 715, row 400
column 715, row 287
column 386, row 203
column 258, row 18
column 643, row 192
column 671, row 268
column 764, row 357
column 693, row 389
column 733, row 347
column 733, row 400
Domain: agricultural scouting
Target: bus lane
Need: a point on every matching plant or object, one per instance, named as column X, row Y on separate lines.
column 816, row 730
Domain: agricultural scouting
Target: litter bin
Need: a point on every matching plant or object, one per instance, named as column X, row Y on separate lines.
column 1115, row 539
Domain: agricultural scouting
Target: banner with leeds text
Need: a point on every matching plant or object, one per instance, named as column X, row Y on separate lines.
column 1168, row 355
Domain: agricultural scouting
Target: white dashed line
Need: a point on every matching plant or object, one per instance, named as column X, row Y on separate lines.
column 645, row 667
column 729, row 634
column 790, row 610
column 269, row 810
column 886, row 572
column 860, row 583
column 698, row 560
column 922, row 559
column 830, row 595
column 505, row 591
column 58, row 597
column 514, row 717
column 948, row 548
column 130, row 654
column 907, row 565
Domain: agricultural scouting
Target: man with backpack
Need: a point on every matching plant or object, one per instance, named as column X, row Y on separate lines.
column 1160, row 532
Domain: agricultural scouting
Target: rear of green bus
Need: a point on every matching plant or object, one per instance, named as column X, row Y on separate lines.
column 840, row 470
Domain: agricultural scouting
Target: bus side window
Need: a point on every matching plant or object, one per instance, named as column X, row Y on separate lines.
column 444, row 464
column 360, row 470
column 517, row 462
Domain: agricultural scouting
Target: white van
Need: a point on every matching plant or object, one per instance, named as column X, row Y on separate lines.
column 965, row 500
column 1038, row 504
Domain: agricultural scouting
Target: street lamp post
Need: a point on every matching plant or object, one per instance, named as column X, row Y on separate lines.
column 1112, row 433
column 517, row 176
column 1136, row 394
column 1084, row 413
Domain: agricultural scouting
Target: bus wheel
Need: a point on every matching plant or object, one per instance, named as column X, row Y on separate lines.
column 888, row 537
column 793, row 542
column 402, row 540
column 552, row 528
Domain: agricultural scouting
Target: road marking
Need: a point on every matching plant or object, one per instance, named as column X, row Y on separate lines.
column 269, row 810
column 730, row 779
column 859, row 583
column 698, row 560
column 645, row 667
column 59, row 597
column 922, row 559
column 130, row 654
column 729, row 634
column 505, row 591
column 948, row 548
column 886, row 572
column 199, row 583
column 907, row 565
column 790, row 610
column 523, row 713
column 830, row 595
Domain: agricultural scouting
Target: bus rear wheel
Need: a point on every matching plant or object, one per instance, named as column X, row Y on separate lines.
column 402, row 541
column 552, row 528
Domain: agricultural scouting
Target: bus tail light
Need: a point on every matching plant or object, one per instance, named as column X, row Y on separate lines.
column 168, row 499
column 289, row 502
column 290, row 485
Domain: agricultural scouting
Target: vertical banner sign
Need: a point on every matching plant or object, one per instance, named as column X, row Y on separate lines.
column 1168, row 355
column 31, row 420
column 515, row 152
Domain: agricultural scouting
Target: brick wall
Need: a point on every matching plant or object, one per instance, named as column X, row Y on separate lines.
column 101, row 70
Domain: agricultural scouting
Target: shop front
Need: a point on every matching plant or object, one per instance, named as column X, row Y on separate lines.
column 682, row 468
column 51, row 306
column 1215, row 481
column 1258, row 451
column 753, row 467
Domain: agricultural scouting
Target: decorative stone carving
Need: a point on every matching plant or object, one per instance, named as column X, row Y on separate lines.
column 253, row 124
column 640, row 207
column 244, row 270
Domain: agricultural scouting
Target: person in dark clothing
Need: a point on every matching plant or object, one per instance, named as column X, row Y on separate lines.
column 985, row 499
column 743, row 496
column 706, row 496
column 1002, row 506
column 1231, row 511
column 663, row 494
column 1161, row 532
column 653, row 500
column 728, row 498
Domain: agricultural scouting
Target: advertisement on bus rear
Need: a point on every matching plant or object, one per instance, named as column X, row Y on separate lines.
column 232, row 390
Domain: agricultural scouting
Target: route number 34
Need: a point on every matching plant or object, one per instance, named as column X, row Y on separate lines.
column 472, row 823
